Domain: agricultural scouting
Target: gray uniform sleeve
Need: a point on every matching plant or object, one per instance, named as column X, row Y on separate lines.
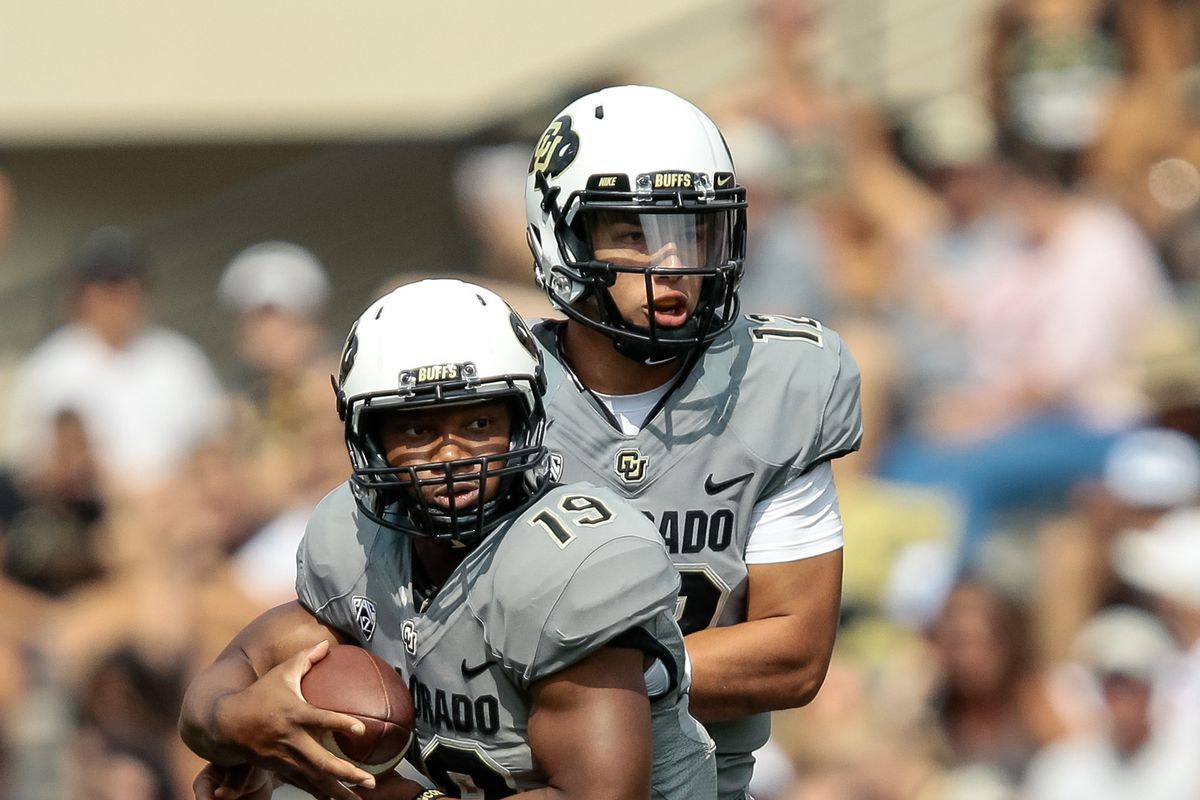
column 554, row 607
column 331, row 559
column 817, row 390
column 841, row 426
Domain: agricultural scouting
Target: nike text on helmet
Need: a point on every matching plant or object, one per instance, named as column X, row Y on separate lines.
column 403, row 354
column 646, row 156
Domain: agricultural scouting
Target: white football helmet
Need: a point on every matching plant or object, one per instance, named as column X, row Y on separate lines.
column 641, row 151
column 402, row 354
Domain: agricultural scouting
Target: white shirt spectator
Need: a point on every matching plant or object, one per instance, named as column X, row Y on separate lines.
column 1177, row 720
column 265, row 566
column 1062, row 314
column 1091, row 767
column 146, row 407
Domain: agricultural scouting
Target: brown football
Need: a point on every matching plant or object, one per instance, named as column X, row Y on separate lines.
column 353, row 681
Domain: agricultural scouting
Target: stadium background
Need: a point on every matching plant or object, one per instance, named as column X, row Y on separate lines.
column 375, row 136
column 341, row 129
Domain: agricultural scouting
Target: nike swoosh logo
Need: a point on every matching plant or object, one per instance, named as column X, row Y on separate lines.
column 715, row 488
column 723, row 181
column 472, row 672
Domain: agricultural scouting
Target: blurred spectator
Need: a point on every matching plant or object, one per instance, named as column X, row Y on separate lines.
column 839, row 163
column 1164, row 562
column 773, row 772
column 1124, row 651
column 1055, row 67
column 845, row 744
column 1147, row 154
column 128, row 711
column 951, row 141
column 146, row 395
column 787, row 255
column 489, row 187
column 1147, row 473
column 264, row 566
column 290, row 436
column 1045, row 330
column 1165, row 367
column 158, row 606
column 49, row 544
column 279, row 292
column 988, row 705
column 104, row 772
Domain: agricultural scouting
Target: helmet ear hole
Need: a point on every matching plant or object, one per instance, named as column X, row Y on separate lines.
column 577, row 239
column 339, row 397
column 370, row 431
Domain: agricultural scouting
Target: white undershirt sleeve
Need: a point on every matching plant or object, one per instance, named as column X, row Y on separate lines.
column 802, row 520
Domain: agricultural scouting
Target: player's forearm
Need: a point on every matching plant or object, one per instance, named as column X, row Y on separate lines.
column 607, row 792
column 544, row 793
column 200, row 724
column 761, row 665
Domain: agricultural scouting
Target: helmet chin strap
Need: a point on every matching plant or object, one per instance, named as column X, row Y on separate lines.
column 643, row 352
column 445, row 522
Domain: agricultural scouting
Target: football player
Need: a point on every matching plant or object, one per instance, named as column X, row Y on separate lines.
column 534, row 622
column 718, row 425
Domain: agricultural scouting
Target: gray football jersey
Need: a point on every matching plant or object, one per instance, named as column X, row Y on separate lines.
column 578, row 570
column 768, row 400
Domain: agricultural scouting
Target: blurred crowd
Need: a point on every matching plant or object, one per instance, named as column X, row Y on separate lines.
column 1016, row 267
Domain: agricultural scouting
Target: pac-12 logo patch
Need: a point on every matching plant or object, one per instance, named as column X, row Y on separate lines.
column 364, row 614
column 408, row 634
column 631, row 466
column 554, row 466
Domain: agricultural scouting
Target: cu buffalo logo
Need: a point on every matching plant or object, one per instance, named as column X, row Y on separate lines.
column 349, row 353
column 631, row 466
column 408, row 635
column 556, row 149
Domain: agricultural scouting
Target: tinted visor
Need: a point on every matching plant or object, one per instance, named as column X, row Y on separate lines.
column 637, row 239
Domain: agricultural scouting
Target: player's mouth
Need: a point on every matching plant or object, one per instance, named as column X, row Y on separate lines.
column 670, row 310
column 462, row 496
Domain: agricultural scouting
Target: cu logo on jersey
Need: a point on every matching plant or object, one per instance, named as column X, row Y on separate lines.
column 364, row 614
column 631, row 466
column 408, row 635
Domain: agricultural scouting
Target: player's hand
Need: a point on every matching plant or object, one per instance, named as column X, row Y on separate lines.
column 393, row 786
column 236, row 782
column 281, row 733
